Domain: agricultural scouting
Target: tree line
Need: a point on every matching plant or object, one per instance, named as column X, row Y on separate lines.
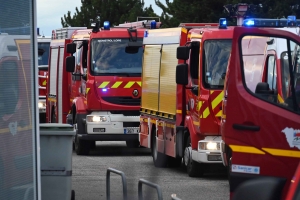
column 174, row 12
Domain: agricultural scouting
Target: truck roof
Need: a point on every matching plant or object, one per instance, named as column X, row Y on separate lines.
column 117, row 32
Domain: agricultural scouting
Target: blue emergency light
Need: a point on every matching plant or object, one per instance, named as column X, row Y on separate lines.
column 223, row 23
column 106, row 25
column 260, row 22
column 153, row 24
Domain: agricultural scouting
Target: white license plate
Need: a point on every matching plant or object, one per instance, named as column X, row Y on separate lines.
column 131, row 130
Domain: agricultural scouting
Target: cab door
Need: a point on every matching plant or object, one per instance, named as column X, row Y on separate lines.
column 262, row 134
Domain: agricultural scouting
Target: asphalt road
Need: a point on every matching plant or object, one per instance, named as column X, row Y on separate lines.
column 89, row 176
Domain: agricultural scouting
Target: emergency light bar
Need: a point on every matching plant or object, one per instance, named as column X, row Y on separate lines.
column 260, row 22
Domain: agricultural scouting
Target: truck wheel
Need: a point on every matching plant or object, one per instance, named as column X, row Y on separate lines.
column 193, row 168
column 132, row 143
column 72, row 195
column 159, row 159
column 53, row 116
column 229, row 169
column 82, row 147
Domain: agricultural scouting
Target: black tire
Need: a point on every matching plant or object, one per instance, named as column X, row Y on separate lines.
column 229, row 169
column 159, row 159
column 193, row 168
column 132, row 143
column 53, row 116
column 82, row 147
column 72, row 195
column 93, row 145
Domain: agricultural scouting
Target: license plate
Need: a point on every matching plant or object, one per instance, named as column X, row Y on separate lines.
column 131, row 130
column 99, row 130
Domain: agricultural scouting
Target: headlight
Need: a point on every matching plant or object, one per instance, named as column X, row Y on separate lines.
column 208, row 145
column 96, row 119
column 211, row 146
column 42, row 104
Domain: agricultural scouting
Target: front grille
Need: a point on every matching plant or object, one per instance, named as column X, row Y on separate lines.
column 128, row 101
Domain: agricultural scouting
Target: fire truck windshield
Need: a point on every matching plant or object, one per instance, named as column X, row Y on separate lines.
column 43, row 48
column 216, row 55
column 109, row 56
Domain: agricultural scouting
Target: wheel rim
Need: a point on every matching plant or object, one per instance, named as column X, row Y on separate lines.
column 187, row 155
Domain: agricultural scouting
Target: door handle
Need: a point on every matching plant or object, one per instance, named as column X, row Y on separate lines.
column 246, row 127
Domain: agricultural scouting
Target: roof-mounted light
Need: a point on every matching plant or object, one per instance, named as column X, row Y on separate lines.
column 106, row 25
column 260, row 22
column 153, row 24
column 248, row 22
column 222, row 23
column 291, row 20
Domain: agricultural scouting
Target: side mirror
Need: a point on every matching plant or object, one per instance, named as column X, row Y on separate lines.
column 70, row 64
column 71, row 48
column 183, row 53
column 260, row 188
column 182, row 74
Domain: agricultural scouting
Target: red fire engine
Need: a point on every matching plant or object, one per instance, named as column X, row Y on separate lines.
column 181, row 106
column 43, row 56
column 15, row 115
column 101, row 96
column 260, row 123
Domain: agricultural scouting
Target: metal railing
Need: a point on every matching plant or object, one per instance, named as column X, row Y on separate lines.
column 153, row 185
column 140, row 186
column 124, row 182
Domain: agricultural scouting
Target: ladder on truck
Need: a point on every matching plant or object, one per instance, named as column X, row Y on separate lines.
column 139, row 24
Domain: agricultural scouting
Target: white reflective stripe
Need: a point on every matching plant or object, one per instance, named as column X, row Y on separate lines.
column 60, row 77
column 53, row 71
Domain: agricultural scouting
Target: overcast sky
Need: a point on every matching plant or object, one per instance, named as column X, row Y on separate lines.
column 50, row 12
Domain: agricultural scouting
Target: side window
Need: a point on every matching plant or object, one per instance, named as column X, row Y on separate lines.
column 271, row 72
column 216, row 55
column 280, row 86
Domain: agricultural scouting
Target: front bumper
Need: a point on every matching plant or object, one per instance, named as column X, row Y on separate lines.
column 202, row 155
column 112, row 124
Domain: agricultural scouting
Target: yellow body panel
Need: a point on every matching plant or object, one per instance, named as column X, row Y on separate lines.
column 159, row 68
column 167, row 87
column 150, row 77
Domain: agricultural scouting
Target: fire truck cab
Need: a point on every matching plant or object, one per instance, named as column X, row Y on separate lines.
column 260, row 123
column 181, row 106
column 102, row 83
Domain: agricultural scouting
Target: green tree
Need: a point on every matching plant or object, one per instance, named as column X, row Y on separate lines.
column 209, row 11
column 115, row 12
